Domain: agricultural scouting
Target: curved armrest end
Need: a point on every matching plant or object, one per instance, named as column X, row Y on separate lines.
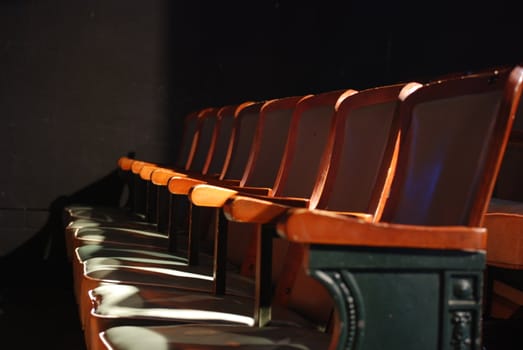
column 182, row 185
column 147, row 171
column 161, row 176
column 125, row 163
column 210, row 196
column 137, row 166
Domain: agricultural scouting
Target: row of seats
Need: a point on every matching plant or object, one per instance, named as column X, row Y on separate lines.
column 339, row 220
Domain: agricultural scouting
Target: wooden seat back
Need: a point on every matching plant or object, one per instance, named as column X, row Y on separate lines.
column 246, row 123
column 216, row 158
column 312, row 121
column 453, row 135
column 208, row 121
column 364, row 133
column 269, row 144
column 192, row 124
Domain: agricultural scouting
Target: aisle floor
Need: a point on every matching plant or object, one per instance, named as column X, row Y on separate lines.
column 37, row 308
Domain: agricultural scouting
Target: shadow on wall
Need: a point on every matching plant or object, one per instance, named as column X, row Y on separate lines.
column 47, row 246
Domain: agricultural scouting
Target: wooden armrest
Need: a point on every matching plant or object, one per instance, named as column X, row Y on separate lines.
column 215, row 196
column 137, row 166
column 210, row 196
column 322, row 227
column 125, row 163
column 182, row 185
column 254, row 210
column 146, row 171
column 161, row 176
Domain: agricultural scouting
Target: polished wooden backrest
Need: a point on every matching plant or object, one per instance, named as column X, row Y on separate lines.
column 269, row 143
column 189, row 139
column 245, row 125
column 312, row 121
column 365, row 126
column 453, row 136
column 208, row 120
column 216, row 158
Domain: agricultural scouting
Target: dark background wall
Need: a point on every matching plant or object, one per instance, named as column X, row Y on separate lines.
column 84, row 82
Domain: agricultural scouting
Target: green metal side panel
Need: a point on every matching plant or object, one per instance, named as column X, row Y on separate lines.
column 403, row 299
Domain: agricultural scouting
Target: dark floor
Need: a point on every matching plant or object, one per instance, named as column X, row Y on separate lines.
column 37, row 307
column 503, row 334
